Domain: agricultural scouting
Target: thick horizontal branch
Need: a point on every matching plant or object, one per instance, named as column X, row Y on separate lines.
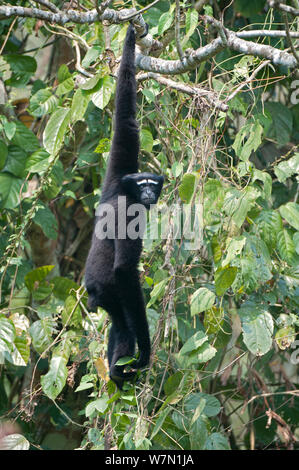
column 254, row 33
column 226, row 39
column 283, row 7
column 205, row 95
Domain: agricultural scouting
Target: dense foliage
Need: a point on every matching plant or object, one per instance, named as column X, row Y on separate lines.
column 222, row 298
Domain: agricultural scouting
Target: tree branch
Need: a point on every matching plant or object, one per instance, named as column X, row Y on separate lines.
column 283, row 7
column 205, row 95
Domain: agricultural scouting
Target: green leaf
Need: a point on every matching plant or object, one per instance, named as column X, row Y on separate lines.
column 286, row 246
column 9, row 128
column 269, row 224
column 172, row 383
column 7, row 334
column 45, row 218
column 63, row 73
column 10, row 188
column 234, row 249
column 14, row 442
column 56, row 127
column 25, row 138
column 38, row 162
column 63, row 287
column 159, row 423
column 158, row 291
column 65, row 87
column 282, row 126
column 212, row 405
column 71, row 314
column 191, row 24
column 146, row 140
column 41, row 332
column 101, row 97
column 193, row 343
column 33, row 278
column 252, row 132
column 53, row 382
column 224, row 277
column 213, row 320
column 79, row 105
column 237, row 203
column 165, row 22
column 202, row 300
column 16, row 161
column 257, row 327
column 3, row 154
column 290, row 212
column 217, row 441
column 99, row 405
column 187, row 186
column 21, row 353
column 22, row 67
column 42, row 102
column 287, row 168
column 198, row 432
column 177, row 168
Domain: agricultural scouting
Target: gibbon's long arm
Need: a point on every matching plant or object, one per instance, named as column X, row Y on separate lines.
column 125, row 144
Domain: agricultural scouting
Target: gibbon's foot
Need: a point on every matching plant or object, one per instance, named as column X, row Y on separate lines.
column 119, row 377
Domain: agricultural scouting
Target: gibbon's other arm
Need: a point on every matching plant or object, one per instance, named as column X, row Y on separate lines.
column 125, row 143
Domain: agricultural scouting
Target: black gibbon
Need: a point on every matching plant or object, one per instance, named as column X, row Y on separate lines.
column 111, row 276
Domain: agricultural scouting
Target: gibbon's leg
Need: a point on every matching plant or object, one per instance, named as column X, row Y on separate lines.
column 121, row 343
column 131, row 297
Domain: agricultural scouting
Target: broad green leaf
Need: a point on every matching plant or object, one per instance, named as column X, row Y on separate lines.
column 71, row 314
column 63, row 287
column 7, row 334
column 176, row 169
column 79, row 105
column 284, row 337
column 54, row 134
column 10, row 128
column 101, row 97
column 233, row 250
column 21, row 351
column 224, row 277
column 24, row 138
column 199, row 431
column 165, row 22
column 257, row 327
column 202, row 300
column 287, row 168
column 248, row 140
column 213, row 320
column 191, row 24
column 269, row 224
column 212, row 405
column 286, row 246
column 158, row 291
column 237, row 203
column 14, row 442
column 33, row 278
column 16, row 161
column 99, row 405
column 159, row 423
column 38, row 162
column 42, row 102
column 217, row 441
column 45, row 218
column 282, row 125
column 146, row 140
column 266, row 179
column 53, row 382
column 10, row 188
column 3, row 154
column 65, row 87
column 63, row 73
column 172, row 383
column 187, row 186
column 41, row 332
column 193, row 343
column 290, row 212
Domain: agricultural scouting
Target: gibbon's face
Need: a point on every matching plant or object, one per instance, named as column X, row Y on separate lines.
column 145, row 188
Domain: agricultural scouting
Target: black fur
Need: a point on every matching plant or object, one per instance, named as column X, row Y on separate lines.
column 111, row 277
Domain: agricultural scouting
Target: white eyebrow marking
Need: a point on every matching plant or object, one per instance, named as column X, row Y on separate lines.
column 152, row 181
column 141, row 182
column 147, row 181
